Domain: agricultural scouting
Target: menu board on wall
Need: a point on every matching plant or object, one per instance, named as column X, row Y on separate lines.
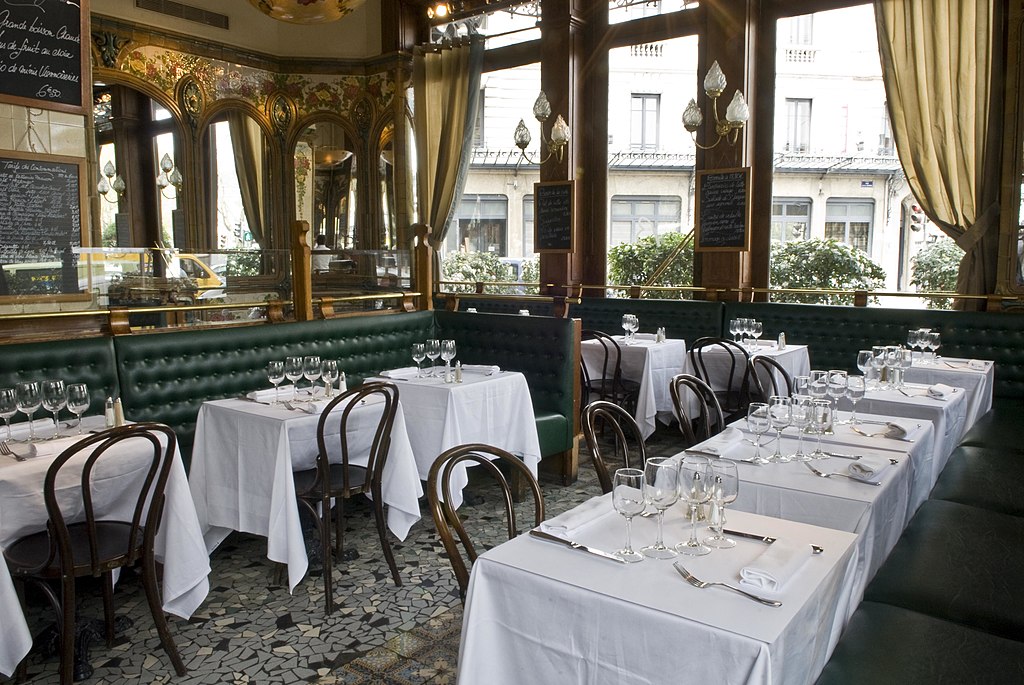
column 44, row 54
column 42, row 202
column 553, row 217
column 722, row 215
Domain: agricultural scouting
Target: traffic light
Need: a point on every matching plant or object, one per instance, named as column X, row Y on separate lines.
column 917, row 218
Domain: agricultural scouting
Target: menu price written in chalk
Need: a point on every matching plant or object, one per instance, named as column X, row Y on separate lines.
column 723, row 210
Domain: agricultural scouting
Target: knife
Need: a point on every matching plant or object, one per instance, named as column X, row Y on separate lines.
column 716, row 455
column 815, row 549
column 575, row 545
column 843, row 456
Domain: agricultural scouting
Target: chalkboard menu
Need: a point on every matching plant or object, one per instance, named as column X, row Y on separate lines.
column 44, row 53
column 723, row 210
column 41, row 208
column 553, row 217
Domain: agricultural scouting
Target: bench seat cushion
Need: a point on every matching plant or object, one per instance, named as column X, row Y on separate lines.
column 1000, row 427
column 984, row 477
column 551, row 431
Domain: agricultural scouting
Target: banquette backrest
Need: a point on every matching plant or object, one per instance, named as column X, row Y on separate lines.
column 683, row 319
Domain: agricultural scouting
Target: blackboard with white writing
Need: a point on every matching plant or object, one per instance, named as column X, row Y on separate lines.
column 43, row 53
column 723, row 210
column 553, row 216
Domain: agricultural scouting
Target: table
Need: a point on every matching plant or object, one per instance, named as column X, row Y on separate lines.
column 795, row 359
column 650, row 364
column 543, row 613
column 975, row 376
column 495, row 409
column 242, row 463
column 179, row 543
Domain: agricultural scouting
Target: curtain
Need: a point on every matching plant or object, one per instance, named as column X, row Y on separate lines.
column 446, row 85
column 247, row 146
column 944, row 99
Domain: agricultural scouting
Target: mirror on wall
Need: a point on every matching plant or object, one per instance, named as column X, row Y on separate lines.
column 326, row 183
column 386, row 174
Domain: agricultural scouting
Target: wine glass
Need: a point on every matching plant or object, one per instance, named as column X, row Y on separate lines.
column 744, row 326
column 756, row 328
column 734, row 329
column 855, row 386
column 818, row 386
column 8, row 407
column 625, row 327
column 922, row 342
column 419, row 353
column 433, row 351
column 78, row 402
column 724, row 491
column 447, row 354
column 892, row 365
column 864, row 361
column 780, row 414
column 906, row 360
column 913, row 339
column 878, row 363
column 311, row 371
column 758, row 423
column 837, row 388
column 275, row 374
column 661, row 490
column 800, row 416
column 293, row 371
column 628, row 500
column 696, row 480
column 821, row 419
column 55, row 398
column 329, row 374
column 30, row 398
column 801, row 385
column 634, row 326
column 934, row 340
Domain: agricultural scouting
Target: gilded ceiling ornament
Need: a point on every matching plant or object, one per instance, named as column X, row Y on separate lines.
column 192, row 100
column 280, row 113
column 306, row 11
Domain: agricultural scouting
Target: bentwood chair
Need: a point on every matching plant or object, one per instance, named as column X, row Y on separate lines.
column 725, row 366
column 608, row 385
column 450, row 528
column 765, row 376
column 335, row 476
column 627, row 443
column 83, row 539
column 696, row 407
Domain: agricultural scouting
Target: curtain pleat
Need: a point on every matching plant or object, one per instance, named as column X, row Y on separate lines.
column 246, row 145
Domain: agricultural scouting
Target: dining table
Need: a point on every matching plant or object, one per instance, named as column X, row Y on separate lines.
column 794, row 358
column 179, row 543
column 550, row 614
column 975, row 376
column 243, row 457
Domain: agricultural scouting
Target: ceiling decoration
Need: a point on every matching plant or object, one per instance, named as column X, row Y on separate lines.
column 306, row 11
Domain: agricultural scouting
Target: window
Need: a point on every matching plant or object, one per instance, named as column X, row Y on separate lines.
column 849, row 221
column 527, row 225
column 798, row 125
column 886, row 146
column 639, row 216
column 791, row 219
column 797, row 30
column 644, row 115
column 478, row 125
column 481, row 225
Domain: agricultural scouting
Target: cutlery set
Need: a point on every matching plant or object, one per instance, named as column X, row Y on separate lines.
column 7, row 450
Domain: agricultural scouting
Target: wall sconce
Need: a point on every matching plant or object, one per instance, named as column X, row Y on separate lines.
column 439, row 10
column 111, row 180
column 736, row 114
column 169, row 176
column 560, row 133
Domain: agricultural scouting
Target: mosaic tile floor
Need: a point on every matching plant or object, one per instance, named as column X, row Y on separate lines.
column 251, row 630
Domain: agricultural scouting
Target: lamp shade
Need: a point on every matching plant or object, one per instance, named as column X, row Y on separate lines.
column 306, row 11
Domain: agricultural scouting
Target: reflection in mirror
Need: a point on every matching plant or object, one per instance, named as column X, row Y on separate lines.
column 234, row 156
column 387, row 188
column 325, row 184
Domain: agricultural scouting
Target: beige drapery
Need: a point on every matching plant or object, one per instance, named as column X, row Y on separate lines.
column 944, row 96
column 446, row 84
column 247, row 146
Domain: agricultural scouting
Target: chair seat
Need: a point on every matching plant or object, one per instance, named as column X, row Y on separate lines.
column 305, row 480
column 27, row 554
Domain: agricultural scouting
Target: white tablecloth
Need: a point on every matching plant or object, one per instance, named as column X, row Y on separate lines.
column 179, row 544
column 650, row 364
column 241, row 476
column 541, row 613
column 794, row 359
column 492, row 409
column 977, row 382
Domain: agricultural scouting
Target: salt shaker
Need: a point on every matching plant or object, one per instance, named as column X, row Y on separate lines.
column 108, row 412
column 782, row 341
column 458, row 372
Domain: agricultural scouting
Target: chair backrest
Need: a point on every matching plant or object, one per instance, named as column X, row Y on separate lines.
column 446, row 519
column 368, row 395
column 724, row 365
column 696, row 408
column 608, row 384
column 765, row 376
column 94, row 463
column 627, row 440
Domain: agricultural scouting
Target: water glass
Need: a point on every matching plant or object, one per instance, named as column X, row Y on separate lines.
column 821, row 419
column 800, row 416
column 8, row 407
column 696, row 482
column 934, row 340
column 724, row 491
column 661, row 491
column 818, row 387
column 293, row 371
column 892, row 365
column 78, row 402
column 628, row 500
column 878, row 362
column 311, row 371
column 30, row 398
column 433, row 351
column 906, row 360
column 758, row 422
column 55, row 398
column 329, row 373
column 780, row 414
column 855, row 387
column 837, row 389
column 913, row 339
column 419, row 353
column 447, row 354
column 275, row 374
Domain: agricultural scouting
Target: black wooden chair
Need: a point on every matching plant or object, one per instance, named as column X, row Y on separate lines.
column 627, row 443
column 605, row 381
column 765, row 376
column 725, row 366
column 696, row 407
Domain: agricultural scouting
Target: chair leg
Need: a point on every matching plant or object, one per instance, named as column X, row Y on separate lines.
column 108, row 606
column 325, row 551
column 378, row 512
column 153, row 597
column 339, row 527
column 67, row 632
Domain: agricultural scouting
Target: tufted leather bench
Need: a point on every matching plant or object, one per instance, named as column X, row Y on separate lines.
column 684, row 319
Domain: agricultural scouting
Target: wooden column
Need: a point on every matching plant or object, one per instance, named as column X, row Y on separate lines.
column 592, row 174
column 302, row 269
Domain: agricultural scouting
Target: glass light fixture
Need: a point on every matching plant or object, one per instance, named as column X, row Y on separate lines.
column 111, row 180
column 736, row 114
column 555, row 144
column 306, row 11
column 169, row 177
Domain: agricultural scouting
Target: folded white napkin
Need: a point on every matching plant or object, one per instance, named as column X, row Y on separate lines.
column 940, row 391
column 405, row 373
column 776, row 565
column 977, row 365
column 722, row 442
column 644, row 336
column 869, row 467
column 267, row 396
column 485, row 369
column 569, row 522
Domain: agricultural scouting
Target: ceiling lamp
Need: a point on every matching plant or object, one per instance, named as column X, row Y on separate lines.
column 440, row 10
column 306, row 11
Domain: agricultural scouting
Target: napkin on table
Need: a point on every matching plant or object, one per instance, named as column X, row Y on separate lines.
column 977, row 365
column 720, row 444
column 267, row 396
column 776, row 565
column 404, row 373
column 485, row 369
column 569, row 522
column 940, row 391
column 869, row 467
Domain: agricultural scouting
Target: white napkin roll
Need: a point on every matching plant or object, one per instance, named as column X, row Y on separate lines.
column 406, row 373
column 940, row 391
column 645, row 336
column 977, row 365
column 772, row 570
column 568, row 523
column 721, row 443
column 267, row 396
column 869, row 467
column 485, row 369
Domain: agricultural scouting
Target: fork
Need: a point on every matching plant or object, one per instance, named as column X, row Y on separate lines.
column 836, row 473
column 6, row 450
column 696, row 582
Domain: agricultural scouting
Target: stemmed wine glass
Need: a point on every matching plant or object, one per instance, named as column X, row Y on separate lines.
column 447, row 354
column 818, row 388
column 275, row 374
column 661, row 490
column 329, row 374
column 906, row 360
column 311, row 371
column 8, row 407
column 78, row 402
column 293, row 372
column 934, row 340
column 780, row 414
column 628, row 500
column 837, row 379
column 922, row 342
column 419, row 353
column 801, row 385
column 892, row 365
column 55, row 398
column 913, row 339
column 433, row 350
column 800, row 412
column 821, row 419
column 625, row 327
column 756, row 328
column 758, row 422
column 878, row 363
column 724, row 491
column 855, row 386
column 864, row 361
column 696, row 481
column 734, row 329
column 30, row 398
